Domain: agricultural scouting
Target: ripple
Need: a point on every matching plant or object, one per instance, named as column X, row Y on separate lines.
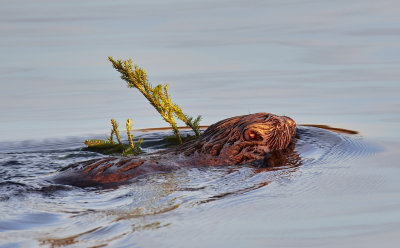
column 149, row 202
column 319, row 146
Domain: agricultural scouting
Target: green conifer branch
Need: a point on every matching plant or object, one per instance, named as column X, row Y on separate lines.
column 96, row 142
column 115, row 129
column 128, row 131
column 193, row 123
column 138, row 145
column 110, row 139
column 108, row 146
column 157, row 96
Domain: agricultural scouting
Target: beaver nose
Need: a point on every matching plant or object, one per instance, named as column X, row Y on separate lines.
column 289, row 121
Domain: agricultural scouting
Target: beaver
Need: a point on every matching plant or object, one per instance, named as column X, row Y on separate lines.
column 247, row 139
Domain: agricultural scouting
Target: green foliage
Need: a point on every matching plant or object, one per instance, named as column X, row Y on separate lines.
column 172, row 140
column 110, row 147
column 106, row 148
column 158, row 96
column 97, row 142
column 114, row 125
column 111, row 136
column 133, row 148
column 194, row 124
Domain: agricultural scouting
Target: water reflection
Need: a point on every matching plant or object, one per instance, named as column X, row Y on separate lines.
column 67, row 240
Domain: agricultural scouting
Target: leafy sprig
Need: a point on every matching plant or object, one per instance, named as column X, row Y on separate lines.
column 157, row 96
column 108, row 146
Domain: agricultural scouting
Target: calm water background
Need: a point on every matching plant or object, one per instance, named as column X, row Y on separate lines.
column 324, row 62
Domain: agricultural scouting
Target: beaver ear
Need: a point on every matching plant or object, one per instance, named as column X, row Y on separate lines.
column 252, row 135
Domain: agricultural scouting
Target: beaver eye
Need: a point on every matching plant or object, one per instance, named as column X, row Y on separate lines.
column 252, row 135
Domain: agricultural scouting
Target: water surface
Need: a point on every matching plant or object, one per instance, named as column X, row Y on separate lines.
column 162, row 206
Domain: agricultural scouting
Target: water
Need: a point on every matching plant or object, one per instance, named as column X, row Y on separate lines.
column 322, row 62
column 158, row 206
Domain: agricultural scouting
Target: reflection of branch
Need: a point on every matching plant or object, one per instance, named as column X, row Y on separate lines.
column 54, row 242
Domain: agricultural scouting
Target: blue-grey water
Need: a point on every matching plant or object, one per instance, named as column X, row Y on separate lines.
column 323, row 62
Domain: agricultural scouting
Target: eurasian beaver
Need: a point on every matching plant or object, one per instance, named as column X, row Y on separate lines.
column 247, row 139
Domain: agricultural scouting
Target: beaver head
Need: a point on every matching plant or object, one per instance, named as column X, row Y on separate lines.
column 242, row 139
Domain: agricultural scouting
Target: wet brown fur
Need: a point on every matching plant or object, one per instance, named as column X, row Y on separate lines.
column 243, row 139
